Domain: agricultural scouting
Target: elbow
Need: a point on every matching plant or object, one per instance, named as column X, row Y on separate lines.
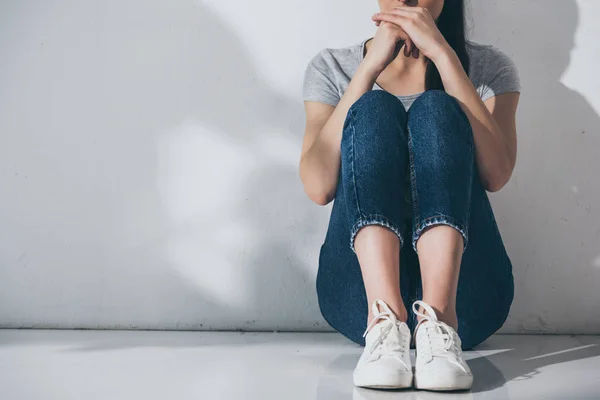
column 498, row 177
column 315, row 188
column 316, row 192
column 493, row 186
column 319, row 197
column 497, row 182
column 322, row 201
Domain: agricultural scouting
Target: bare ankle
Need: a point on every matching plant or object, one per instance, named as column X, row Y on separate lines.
column 444, row 314
column 399, row 311
column 451, row 320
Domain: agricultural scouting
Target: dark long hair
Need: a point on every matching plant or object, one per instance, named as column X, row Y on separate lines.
column 452, row 24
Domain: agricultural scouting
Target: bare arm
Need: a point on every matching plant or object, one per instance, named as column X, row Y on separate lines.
column 321, row 147
column 493, row 122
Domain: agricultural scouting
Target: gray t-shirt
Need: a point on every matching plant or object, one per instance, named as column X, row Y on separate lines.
column 329, row 72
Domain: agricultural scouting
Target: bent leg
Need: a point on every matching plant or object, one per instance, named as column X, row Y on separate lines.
column 360, row 258
column 441, row 149
column 465, row 272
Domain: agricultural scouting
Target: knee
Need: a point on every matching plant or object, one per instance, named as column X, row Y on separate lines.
column 431, row 98
column 439, row 117
column 434, row 104
column 376, row 117
column 376, row 96
column 374, row 102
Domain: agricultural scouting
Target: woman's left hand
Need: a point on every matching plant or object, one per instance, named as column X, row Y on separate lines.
column 418, row 23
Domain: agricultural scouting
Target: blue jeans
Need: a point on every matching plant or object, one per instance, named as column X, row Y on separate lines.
column 434, row 141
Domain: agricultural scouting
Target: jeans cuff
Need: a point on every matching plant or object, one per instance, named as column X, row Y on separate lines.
column 374, row 219
column 440, row 220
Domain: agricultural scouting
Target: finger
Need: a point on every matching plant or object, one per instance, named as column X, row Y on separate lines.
column 406, row 10
column 408, row 47
column 398, row 27
column 393, row 18
column 415, row 52
column 409, row 44
column 396, row 20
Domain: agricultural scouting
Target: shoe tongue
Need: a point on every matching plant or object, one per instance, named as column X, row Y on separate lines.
column 441, row 333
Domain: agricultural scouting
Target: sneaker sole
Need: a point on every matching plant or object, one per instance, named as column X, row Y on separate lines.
column 397, row 381
column 443, row 383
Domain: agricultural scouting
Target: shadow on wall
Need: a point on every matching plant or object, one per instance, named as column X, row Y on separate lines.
column 178, row 162
column 176, row 201
column 548, row 211
column 233, row 194
column 245, row 220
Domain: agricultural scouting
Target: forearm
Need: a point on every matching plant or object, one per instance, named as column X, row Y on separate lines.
column 319, row 167
column 491, row 146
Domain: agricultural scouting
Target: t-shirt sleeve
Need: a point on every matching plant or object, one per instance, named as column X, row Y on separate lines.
column 319, row 84
column 501, row 74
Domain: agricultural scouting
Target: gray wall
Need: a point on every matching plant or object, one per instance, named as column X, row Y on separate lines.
column 149, row 151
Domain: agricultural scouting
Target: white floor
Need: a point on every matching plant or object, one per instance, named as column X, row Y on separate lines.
column 55, row 364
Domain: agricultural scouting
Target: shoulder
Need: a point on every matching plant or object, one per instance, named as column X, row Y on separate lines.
column 486, row 57
column 477, row 49
column 327, row 73
column 492, row 70
column 337, row 57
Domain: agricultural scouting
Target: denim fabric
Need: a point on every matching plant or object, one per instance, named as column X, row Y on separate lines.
column 434, row 141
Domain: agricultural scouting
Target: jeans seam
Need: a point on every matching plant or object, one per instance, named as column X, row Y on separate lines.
column 352, row 158
column 374, row 219
column 472, row 174
column 413, row 178
column 440, row 219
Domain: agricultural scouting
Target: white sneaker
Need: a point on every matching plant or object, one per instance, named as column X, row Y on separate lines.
column 385, row 361
column 439, row 364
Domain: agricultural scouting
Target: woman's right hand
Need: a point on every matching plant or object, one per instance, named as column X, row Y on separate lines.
column 386, row 45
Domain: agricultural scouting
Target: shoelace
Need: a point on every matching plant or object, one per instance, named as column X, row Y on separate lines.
column 384, row 315
column 387, row 314
column 439, row 333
